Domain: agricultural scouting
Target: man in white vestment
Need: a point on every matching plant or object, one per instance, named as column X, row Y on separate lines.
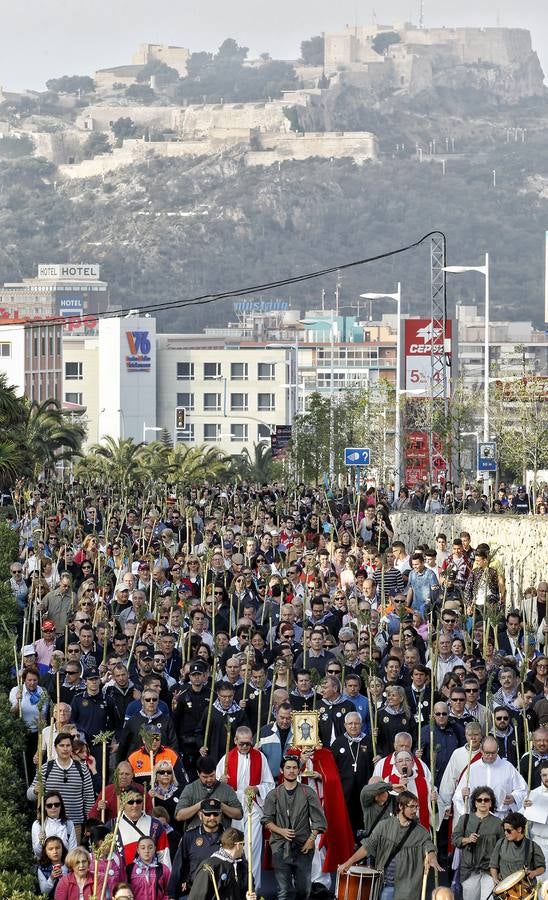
column 502, row 777
column 246, row 770
column 538, row 798
column 457, row 766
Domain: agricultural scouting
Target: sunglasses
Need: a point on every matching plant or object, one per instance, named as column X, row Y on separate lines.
column 483, row 799
column 16, row 571
column 441, row 714
column 471, row 690
column 502, row 719
column 52, row 805
column 134, row 802
column 508, row 830
column 210, row 814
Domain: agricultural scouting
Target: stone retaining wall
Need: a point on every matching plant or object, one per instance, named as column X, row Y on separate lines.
column 523, row 542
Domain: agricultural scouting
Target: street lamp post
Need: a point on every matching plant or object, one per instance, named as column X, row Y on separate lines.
column 397, row 435
column 149, row 428
column 484, row 270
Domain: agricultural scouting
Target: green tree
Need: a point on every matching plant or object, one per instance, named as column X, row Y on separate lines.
column 141, row 92
column 13, row 148
column 96, row 144
column 312, row 51
column 382, row 41
column 119, row 460
column 157, row 67
column 71, row 84
column 49, row 436
column 124, row 127
column 256, row 467
column 197, row 64
column 231, row 50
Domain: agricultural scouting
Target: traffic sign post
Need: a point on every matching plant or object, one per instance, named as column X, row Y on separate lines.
column 487, row 456
column 357, row 456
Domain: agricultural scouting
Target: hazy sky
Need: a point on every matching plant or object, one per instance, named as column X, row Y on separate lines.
column 41, row 39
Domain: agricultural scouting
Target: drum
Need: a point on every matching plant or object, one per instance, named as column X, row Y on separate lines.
column 359, row 883
column 515, row 887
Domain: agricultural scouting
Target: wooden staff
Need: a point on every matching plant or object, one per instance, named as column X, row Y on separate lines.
column 210, row 704
column 207, row 868
column 371, row 719
column 121, row 802
column 467, row 782
column 95, row 869
column 227, row 744
column 250, row 798
column 132, row 648
column 259, row 704
column 529, row 769
column 424, row 878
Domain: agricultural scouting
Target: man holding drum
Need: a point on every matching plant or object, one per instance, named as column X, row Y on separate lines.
column 401, row 848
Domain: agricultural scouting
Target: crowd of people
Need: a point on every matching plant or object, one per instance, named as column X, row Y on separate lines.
column 240, row 692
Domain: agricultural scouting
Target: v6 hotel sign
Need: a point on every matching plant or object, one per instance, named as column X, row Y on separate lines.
column 420, row 336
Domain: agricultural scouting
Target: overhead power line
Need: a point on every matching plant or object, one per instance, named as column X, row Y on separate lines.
column 204, row 299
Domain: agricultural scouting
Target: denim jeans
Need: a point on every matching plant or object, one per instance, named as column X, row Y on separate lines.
column 388, row 892
column 292, row 875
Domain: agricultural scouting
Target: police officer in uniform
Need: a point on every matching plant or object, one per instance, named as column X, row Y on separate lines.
column 90, row 712
column 189, row 701
column 196, row 845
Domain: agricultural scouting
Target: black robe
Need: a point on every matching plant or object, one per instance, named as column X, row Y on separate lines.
column 347, row 754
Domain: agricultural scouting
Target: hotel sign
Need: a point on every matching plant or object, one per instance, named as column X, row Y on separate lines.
column 88, row 271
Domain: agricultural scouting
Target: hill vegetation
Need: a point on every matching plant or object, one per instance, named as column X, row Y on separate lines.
column 178, row 228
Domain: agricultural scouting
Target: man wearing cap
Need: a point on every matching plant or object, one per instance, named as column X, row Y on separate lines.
column 139, row 760
column 246, row 771
column 89, row 711
column 376, row 804
column 196, row 846
column 206, row 786
column 189, row 701
column 45, row 645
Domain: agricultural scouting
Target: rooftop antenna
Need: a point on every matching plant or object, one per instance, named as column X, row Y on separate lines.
column 373, row 18
column 421, row 14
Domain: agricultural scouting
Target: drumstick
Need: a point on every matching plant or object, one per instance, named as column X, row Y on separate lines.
column 424, row 878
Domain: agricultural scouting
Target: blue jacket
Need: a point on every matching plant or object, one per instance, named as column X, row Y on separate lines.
column 270, row 745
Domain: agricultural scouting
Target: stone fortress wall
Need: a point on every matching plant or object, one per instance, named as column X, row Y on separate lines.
column 522, row 542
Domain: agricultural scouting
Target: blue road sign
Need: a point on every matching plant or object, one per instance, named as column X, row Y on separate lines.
column 487, row 457
column 357, row 456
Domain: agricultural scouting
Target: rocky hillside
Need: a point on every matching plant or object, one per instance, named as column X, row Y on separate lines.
column 175, row 229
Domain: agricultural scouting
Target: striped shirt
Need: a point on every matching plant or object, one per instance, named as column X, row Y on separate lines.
column 393, row 582
column 73, row 784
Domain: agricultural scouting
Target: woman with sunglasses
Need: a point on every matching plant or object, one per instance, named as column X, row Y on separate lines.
column 515, row 851
column 55, row 824
column 166, row 790
column 476, row 834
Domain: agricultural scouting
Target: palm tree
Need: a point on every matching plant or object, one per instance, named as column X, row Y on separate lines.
column 121, row 460
column 256, row 467
column 48, row 436
column 155, row 462
column 192, row 464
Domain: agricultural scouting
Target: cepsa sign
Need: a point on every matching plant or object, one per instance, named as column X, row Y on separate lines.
column 138, row 359
column 420, row 336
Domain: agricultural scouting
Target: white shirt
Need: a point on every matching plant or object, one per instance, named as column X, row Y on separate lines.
column 537, row 831
column 266, row 783
column 502, row 777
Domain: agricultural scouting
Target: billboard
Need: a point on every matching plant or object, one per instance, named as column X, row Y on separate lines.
column 140, row 347
column 419, row 337
column 68, row 270
column 70, row 304
column 417, row 459
column 280, row 440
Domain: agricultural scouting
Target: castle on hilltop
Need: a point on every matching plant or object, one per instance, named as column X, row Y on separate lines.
column 411, row 59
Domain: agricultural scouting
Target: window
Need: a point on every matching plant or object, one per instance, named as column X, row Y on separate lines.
column 238, row 433
column 185, row 371
column 266, row 371
column 264, row 432
column 238, row 402
column 212, row 432
column 238, row 371
column 73, row 397
column 74, row 370
column 5, row 349
column 186, row 400
column 266, row 402
column 212, row 370
column 43, row 345
column 185, row 435
column 212, row 402
column 50, row 344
